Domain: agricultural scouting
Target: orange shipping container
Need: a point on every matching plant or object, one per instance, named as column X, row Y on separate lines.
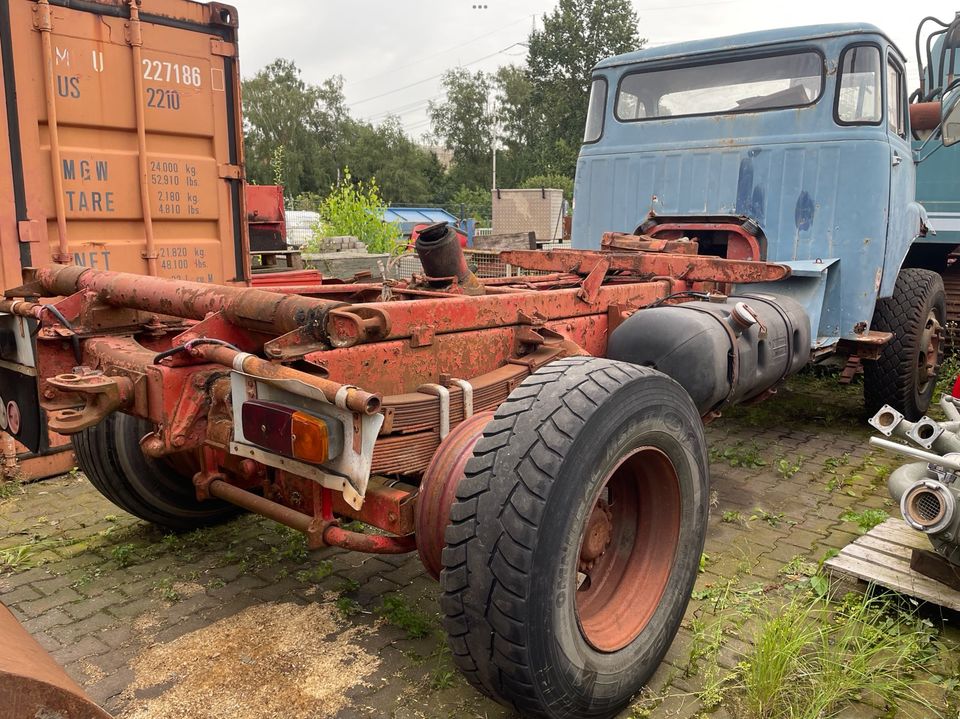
column 120, row 148
column 122, row 141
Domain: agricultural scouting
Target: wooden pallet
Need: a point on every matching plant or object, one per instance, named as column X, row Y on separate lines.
column 882, row 557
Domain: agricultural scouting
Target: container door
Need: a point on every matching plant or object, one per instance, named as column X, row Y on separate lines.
column 93, row 86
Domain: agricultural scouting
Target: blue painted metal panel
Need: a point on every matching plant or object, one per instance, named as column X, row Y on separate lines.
column 817, row 189
column 410, row 217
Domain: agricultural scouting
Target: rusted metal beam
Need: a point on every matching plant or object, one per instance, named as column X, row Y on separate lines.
column 691, row 268
column 251, row 309
column 463, row 314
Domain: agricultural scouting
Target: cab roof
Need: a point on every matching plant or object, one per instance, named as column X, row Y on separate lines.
column 747, row 40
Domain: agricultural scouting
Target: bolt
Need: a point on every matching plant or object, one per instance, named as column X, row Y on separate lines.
column 179, row 440
column 49, row 394
column 198, row 382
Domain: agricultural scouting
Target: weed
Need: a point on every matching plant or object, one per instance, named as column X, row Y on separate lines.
column 10, row 488
column 834, row 463
column 866, row 519
column 16, row 558
column 396, row 610
column 355, row 526
column 772, row 518
column 74, row 473
column 704, row 561
column 442, row 678
column 731, row 516
column 347, row 606
column 216, row 583
column 166, row 590
column 111, row 518
column 349, row 585
column 811, row 659
column 316, row 575
column 123, row 554
column 787, row 468
column 739, row 455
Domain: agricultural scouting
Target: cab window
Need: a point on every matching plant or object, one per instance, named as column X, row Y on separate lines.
column 596, row 110
column 859, row 89
column 895, row 119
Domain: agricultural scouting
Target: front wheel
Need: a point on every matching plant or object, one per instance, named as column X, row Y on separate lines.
column 575, row 538
column 905, row 375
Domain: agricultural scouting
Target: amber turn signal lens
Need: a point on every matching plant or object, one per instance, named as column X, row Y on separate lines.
column 310, row 438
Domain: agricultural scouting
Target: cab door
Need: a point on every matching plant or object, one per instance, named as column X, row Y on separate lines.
column 902, row 218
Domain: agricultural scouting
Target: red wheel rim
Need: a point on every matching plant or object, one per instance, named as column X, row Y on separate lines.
column 627, row 549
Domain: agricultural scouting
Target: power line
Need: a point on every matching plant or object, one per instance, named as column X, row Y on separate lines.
column 432, row 77
column 460, row 46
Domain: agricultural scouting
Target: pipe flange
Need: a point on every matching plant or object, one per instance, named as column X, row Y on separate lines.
column 928, row 506
column 925, row 432
column 886, row 420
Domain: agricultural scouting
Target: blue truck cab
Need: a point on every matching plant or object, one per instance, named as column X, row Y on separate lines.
column 791, row 146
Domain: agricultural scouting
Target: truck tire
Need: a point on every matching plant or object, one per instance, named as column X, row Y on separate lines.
column 575, row 538
column 905, row 375
column 110, row 456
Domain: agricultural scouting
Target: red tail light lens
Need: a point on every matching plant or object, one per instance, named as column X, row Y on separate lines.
column 289, row 432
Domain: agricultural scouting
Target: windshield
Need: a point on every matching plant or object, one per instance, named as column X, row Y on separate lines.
column 719, row 88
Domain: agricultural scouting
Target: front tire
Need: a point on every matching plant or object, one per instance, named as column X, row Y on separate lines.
column 905, row 375
column 110, row 456
column 575, row 538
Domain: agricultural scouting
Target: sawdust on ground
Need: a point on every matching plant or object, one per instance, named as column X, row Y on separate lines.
column 271, row 660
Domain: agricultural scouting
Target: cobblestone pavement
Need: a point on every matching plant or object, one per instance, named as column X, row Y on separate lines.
column 242, row 621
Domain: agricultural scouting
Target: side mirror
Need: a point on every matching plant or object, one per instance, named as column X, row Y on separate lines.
column 950, row 118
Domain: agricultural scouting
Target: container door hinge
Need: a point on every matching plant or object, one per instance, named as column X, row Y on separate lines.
column 32, row 230
column 42, row 17
column 222, row 48
column 230, row 172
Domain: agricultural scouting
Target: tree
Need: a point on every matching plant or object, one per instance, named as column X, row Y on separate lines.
column 299, row 123
column 575, row 37
column 406, row 172
column 464, row 122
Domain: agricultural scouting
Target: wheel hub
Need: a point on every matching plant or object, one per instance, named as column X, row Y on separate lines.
column 597, row 537
column 929, row 358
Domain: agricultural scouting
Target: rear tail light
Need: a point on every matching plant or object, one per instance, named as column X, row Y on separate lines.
column 291, row 432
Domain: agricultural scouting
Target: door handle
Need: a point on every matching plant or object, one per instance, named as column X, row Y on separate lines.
column 897, row 159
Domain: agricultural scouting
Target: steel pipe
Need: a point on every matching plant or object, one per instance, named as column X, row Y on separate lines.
column 319, row 533
column 352, row 398
column 930, row 457
column 252, row 309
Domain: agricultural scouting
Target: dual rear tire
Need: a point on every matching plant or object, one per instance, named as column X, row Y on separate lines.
column 575, row 538
column 110, row 456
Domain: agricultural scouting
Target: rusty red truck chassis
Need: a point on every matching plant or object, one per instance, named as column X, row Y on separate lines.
column 557, row 488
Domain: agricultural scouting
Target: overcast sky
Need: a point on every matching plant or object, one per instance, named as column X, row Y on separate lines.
column 392, row 52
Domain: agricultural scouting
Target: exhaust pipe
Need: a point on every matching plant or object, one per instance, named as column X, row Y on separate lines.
column 928, row 506
column 442, row 258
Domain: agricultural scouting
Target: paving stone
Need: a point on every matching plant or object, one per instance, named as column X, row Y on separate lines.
column 57, row 599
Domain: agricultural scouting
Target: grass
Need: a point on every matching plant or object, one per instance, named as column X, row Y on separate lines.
column 812, row 659
column 397, row 610
column 772, row 518
column 317, row 574
column 739, row 455
column 10, row 488
column 731, row 516
column 866, row 519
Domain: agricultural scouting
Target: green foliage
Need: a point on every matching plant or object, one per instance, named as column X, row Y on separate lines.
column 347, row 606
column 575, row 36
column 772, row 518
column 739, row 455
column 123, row 554
column 787, row 468
column 10, row 488
column 866, row 519
column 946, row 376
column 731, row 516
column 476, row 204
column 397, row 610
column 551, row 181
column 355, row 209
column 811, row 660
column 166, row 590
column 317, row 574
column 464, row 121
